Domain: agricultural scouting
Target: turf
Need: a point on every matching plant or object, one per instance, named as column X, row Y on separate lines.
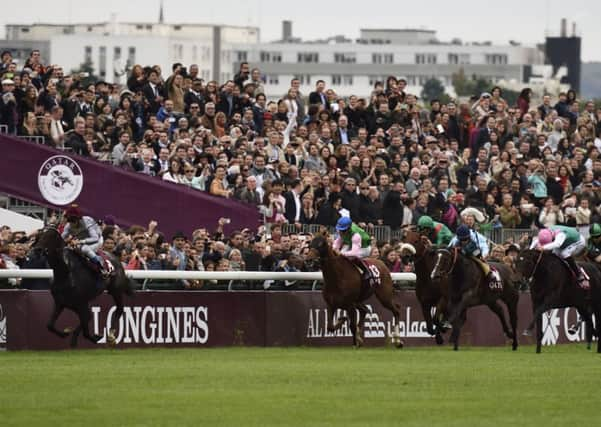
column 301, row 387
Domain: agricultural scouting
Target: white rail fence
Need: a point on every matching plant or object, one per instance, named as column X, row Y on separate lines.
column 200, row 275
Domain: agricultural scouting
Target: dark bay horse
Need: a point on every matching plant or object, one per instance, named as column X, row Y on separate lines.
column 552, row 285
column 343, row 288
column 430, row 293
column 468, row 288
column 75, row 284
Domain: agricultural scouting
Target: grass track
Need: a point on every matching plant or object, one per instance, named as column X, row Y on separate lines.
column 302, row 387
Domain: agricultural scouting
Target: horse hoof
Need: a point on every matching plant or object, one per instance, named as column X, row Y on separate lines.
column 399, row 343
column 572, row 330
column 111, row 340
column 527, row 333
column 439, row 339
column 445, row 326
column 67, row 331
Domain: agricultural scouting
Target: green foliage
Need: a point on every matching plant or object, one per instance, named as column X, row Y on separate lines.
column 434, row 89
column 85, row 67
column 473, row 86
column 302, row 387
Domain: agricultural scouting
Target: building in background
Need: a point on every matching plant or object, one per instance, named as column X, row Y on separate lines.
column 564, row 51
column 113, row 47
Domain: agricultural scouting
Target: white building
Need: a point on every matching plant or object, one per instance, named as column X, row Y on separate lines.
column 352, row 67
column 112, row 47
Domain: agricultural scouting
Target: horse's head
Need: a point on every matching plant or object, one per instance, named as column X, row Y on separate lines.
column 48, row 240
column 445, row 262
column 319, row 249
column 527, row 262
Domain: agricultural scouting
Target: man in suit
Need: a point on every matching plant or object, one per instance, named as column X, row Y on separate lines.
column 484, row 134
column 226, row 99
column 344, row 134
column 250, row 194
column 293, row 207
column 319, row 97
column 194, row 96
column 153, row 91
column 145, row 164
column 76, row 140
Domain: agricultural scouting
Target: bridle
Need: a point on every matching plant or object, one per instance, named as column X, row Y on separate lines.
column 531, row 277
column 455, row 254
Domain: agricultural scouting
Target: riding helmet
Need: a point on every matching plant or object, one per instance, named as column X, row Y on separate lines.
column 425, row 222
column 73, row 211
column 595, row 230
column 545, row 236
column 463, row 232
column 344, row 223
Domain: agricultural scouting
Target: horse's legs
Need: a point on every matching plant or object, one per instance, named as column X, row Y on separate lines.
column 498, row 310
column 331, row 326
column 352, row 314
column 387, row 301
column 84, row 319
column 427, row 312
column 512, row 308
column 75, row 336
column 598, row 327
column 539, row 332
column 362, row 313
column 118, row 298
column 457, row 325
column 58, row 309
column 461, row 306
column 541, row 308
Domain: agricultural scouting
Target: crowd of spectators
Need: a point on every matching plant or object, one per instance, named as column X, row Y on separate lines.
column 307, row 158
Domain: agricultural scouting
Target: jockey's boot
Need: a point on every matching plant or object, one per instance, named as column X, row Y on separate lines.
column 575, row 269
column 102, row 268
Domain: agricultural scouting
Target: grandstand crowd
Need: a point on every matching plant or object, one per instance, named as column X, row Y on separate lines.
column 308, row 158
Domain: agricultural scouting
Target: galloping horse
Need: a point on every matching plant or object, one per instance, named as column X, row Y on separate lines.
column 429, row 293
column 553, row 286
column 75, row 284
column 344, row 289
column 468, row 288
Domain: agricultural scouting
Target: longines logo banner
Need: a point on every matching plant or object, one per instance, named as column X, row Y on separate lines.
column 153, row 325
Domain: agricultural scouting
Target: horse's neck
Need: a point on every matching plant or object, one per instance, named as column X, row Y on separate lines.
column 549, row 270
column 328, row 269
column 466, row 267
column 58, row 265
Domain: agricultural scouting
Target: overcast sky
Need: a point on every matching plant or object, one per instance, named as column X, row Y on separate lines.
column 470, row 20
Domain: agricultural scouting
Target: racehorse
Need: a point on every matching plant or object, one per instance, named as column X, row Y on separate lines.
column 429, row 293
column 345, row 289
column 552, row 285
column 469, row 288
column 75, row 283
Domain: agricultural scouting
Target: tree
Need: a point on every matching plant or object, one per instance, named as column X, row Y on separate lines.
column 80, row 74
column 434, row 89
column 473, row 86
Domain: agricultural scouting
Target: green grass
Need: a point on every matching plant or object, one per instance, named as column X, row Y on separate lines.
column 301, row 387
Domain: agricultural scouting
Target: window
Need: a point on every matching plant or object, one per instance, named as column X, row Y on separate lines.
column 382, row 58
column 273, row 79
column 496, row 59
column 205, row 74
column 266, row 56
column 131, row 56
column 139, row 27
column 178, row 50
column 345, row 58
column 177, row 27
column 425, row 58
column 194, row 53
column 374, row 79
column 88, row 54
column 24, row 30
column 89, row 29
column 336, row 79
column 102, row 61
column 242, row 55
column 116, row 53
column 304, row 79
column 308, row 57
column 347, row 80
column 205, row 53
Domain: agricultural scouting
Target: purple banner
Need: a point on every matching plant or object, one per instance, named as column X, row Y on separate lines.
column 51, row 178
column 184, row 319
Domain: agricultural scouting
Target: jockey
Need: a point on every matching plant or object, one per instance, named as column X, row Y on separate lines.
column 84, row 231
column 565, row 242
column 352, row 240
column 436, row 232
column 593, row 246
column 474, row 245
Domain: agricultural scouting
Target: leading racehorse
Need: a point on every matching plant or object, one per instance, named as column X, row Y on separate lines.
column 469, row 288
column 75, row 283
column 345, row 289
column 552, row 285
column 430, row 293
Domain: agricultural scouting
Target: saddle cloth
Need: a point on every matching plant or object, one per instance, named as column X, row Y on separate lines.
column 370, row 275
column 497, row 283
